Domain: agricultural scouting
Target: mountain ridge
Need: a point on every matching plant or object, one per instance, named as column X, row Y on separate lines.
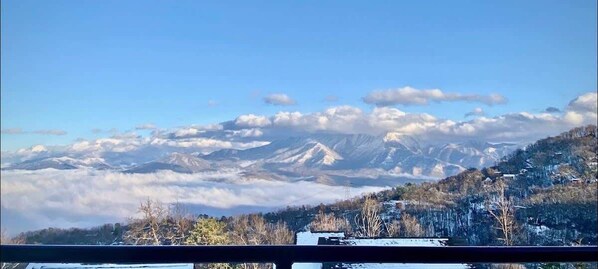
column 392, row 152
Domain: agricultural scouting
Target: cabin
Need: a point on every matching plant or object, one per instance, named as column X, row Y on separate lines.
column 574, row 180
column 339, row 238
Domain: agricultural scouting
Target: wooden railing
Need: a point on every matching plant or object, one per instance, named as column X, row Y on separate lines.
column 285, row 255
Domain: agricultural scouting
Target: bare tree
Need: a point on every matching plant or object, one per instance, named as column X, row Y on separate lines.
column 6, row 239
column 368, row 220
column 255, row 230
column 503, row 211
column 258, row 232
column 159, row 225
column 147, row 229
column 180, row 224
column 328, row 222
column 249, row 230
column 393, row 228
column 280, row 234
column 411, row 226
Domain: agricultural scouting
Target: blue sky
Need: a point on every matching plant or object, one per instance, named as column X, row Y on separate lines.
column 81, row 65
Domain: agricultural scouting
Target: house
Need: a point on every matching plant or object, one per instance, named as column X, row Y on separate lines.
column 311, row 239
column 339, row 238
column 575, row 180
column 508, row 176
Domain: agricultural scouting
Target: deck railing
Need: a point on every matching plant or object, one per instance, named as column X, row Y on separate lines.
column 285, row 255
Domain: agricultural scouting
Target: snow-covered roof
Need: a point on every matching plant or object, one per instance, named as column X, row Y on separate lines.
column 404, row 242
column 404, row 266
column 107, row 266
column 312, row 238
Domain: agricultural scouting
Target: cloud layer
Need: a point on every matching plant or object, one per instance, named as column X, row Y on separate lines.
column 412, row 96
column 87, row 197
column 18, row 131
column 51, row 198
column 522, row 127
column 253, row 130
column 279, row 99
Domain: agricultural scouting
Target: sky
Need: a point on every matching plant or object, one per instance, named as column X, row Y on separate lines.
column 83, row 70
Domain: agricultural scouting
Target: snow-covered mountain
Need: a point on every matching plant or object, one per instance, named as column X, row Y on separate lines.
column 471, row 154
column 313, row 155
column 61, row 163
column 177, row 162
column 392, row 152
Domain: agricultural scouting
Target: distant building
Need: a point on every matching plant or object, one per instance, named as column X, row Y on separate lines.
column 575, row 180
column 508, row 176
column 339, row 238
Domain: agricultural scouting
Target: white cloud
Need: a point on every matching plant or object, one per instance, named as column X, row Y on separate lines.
column 478, row 111
column 109, row 131
column 574, row 117
column 521, row 127
column 331, row 98
column 147, row 126
column 517, row 127
column 33, row 150
column 209, row 127
column 184, row 132
column 50, row 198
column 412, row 96
column 253, row 132
column 279, row 99
column 584, row 103
column 12, row 131
column 204, row 145
column 195, row 130
column 15, row 131
column 212, row 103
column 39, row 148
column 336, row 119
column 582, row 109
column 50, row 132
column 251, row 120
column 552, row 109
column 69, row 197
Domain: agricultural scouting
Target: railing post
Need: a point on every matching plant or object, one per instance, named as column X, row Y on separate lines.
column 284, row 264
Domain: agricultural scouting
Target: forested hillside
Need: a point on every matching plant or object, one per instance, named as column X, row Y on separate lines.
column 543, row 194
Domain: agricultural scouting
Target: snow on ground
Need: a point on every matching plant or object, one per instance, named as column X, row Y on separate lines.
column 404, row 266
column 309, row 238
column 403, row 242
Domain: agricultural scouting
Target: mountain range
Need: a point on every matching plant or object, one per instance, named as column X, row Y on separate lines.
column 313, row 156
